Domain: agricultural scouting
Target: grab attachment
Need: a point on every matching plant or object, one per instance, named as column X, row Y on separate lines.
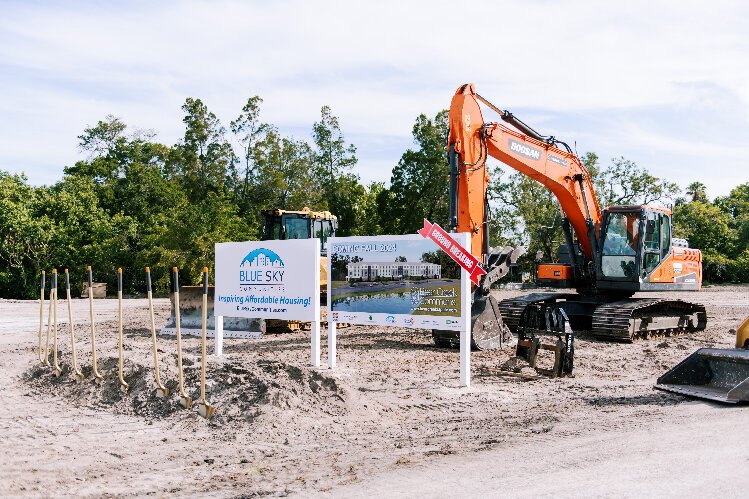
column 539, row 320
column 76, row 372
column 184, row 399
column 98, row 378
column 204, row 409
column 123, row 385
column 161, row 390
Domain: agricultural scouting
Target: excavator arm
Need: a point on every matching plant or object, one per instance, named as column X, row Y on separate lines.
column 472, row 141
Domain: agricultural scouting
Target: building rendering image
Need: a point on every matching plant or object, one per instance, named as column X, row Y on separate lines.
column 370, row 271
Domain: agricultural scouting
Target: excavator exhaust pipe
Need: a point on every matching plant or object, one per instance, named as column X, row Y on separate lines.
column 710, row 373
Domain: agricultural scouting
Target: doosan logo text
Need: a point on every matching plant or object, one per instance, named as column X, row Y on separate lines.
column 525, row 150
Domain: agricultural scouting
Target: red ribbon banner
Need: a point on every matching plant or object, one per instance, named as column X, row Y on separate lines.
column 463, row 257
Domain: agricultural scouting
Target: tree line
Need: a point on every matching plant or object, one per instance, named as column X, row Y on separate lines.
column 135, row 202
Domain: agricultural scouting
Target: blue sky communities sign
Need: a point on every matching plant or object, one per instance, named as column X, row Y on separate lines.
column 268, row 279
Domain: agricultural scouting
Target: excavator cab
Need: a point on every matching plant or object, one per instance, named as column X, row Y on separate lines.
column 638, row 252
column 622, row 251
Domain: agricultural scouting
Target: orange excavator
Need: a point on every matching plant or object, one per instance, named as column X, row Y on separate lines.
column 608, row 255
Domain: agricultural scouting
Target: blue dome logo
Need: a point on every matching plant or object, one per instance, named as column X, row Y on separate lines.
column 262, row 267
column 262, row 257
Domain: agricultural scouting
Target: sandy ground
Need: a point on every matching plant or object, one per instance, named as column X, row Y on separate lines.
column 390, row 420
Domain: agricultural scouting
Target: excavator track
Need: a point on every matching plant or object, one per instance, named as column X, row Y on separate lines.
column 616, row 319
column 635, row 318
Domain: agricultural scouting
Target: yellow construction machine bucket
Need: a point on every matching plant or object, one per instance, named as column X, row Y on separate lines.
column 710, row 373
column 742, row 335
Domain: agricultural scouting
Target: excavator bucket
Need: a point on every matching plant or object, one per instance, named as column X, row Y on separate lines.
column 488, row 331
column 710, row 373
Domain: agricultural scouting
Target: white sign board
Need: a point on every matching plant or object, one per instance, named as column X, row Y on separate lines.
column 405, row 281
column 269, row 279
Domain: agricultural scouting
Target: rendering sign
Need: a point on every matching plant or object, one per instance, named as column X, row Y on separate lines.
column 268, row 279
column 405, row 281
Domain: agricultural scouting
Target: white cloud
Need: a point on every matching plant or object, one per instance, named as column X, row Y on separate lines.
column 378, row 64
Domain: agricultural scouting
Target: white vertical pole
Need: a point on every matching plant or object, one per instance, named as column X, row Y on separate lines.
column 218, row 348
column 316, row 343
column 331, row 339
column 316, row 308
column 465, row 330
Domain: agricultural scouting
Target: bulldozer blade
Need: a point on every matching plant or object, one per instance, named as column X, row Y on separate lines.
column 191, row 319
column 710, row 373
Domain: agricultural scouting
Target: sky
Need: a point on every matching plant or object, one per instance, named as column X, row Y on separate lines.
column 664, row 84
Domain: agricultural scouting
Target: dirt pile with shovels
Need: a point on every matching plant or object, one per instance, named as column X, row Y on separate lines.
column 243, row 392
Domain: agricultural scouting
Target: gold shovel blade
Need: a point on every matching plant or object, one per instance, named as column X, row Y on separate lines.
column 207, row 411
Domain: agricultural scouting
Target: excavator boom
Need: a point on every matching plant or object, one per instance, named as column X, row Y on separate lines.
column 472, row 141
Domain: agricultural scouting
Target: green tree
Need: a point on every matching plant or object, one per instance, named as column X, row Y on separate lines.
column 25, row 237
column 623, row 182
column 334, row 161
column 371, row 221
column 697, row 191
column 284, row 178
column 204, row 160
column 705, row 226
column 249, row 130
column 418, row 185
column 333, row 157
column 736, row 206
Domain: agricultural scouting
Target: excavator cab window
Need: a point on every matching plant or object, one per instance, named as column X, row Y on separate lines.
column 652, row 250
column 665, row 235
column 619, row 255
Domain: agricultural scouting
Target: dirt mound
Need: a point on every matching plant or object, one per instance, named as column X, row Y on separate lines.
column 241, row 393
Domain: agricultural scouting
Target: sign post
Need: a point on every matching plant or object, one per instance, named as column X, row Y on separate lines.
column 465, row 332
column 331, row 342
column 218, row 346
column 473, row 271
column 269, row 280
column 315, row 346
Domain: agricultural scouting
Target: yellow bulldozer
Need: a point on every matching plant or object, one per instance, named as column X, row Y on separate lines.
column 719, row 374
column 277, row 225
